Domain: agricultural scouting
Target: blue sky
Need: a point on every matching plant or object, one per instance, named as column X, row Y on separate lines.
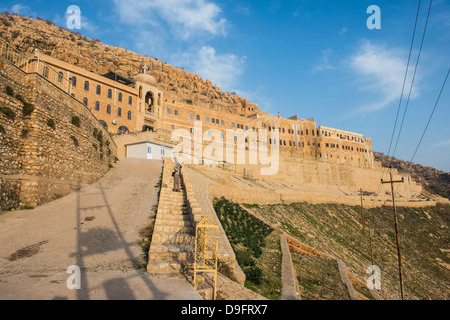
column 313, row 58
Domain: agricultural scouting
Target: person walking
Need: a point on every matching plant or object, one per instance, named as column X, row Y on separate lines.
column 176, row 177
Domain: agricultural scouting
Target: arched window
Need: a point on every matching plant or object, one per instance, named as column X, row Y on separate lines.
column 86, row 86
column 60, row 76
column 45, row 72
column 129, row 115
column 85, row 101
column 119, row 112
column 74, row 82
column 97, row 106
column 103, row 123
column 120, row 97
column 108, row 109
column 99, row 90
column 123, row 129
column 109, row 93
column 130, row 100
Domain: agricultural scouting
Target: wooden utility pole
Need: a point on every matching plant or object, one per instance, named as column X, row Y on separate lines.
column 396, row 231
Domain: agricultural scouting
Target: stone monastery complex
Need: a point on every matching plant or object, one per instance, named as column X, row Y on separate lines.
column 125, row 105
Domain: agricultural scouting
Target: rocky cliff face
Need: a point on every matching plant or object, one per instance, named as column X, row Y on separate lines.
column 26, row 34
column 433, row 180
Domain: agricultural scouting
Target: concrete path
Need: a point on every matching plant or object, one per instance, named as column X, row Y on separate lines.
column 290, row 290
column 96, row 229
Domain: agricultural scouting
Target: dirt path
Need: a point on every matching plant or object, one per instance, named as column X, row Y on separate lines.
column 95, row 229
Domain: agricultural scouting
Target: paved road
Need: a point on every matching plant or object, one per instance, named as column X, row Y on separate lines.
column 95, row 229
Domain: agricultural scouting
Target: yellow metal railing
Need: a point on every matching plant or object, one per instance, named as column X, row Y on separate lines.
column 206, row 250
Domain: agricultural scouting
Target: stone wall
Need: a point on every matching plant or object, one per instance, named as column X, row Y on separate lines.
column 39, row 163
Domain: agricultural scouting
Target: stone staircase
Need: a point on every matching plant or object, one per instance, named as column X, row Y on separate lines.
column 172, row 247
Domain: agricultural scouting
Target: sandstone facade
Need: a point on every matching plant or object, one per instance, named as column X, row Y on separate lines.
column 51, row 151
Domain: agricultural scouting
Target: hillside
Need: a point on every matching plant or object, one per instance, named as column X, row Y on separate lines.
column 336, row 230
column 433, row 180
column 26, row 34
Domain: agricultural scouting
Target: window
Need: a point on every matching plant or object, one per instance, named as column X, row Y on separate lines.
column 60, row 76
column 99, row 90
column 169, row 111
column 163, row 152
column 213, row 120
column 103, row 123
column 149, row 150
column 123, row 129
column 176, row 112
column 246, row 128
column 85, row 101
column 119, row 112
column 130, row 100
column 120, row 97
column 97, row 106
column 191, row 116
column 108, row 109
column 129, row 115
column 232, row 124
column 223, row 122
column 198, row 117
column 86, row 86
column 45, row 72
column 191, row 130
column 172, row 127
column 74, row 82
column 109, row 93
column 207, row 119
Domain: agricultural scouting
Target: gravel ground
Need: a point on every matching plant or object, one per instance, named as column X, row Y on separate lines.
column 96, row 229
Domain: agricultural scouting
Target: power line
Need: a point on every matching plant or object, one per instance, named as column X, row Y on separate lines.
column 413, row 79
column 429, row 120
column 404, row 80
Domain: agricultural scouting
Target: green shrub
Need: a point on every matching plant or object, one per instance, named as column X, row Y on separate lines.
column 9, row 91
column 51, row 123
column 95, row 146
column 27, row 109
column 8, row 112
column 20, row 98
column 76, row 121
column 254, row 274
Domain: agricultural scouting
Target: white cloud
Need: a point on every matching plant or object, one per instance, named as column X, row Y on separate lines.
column 445, row 143
column 221, row 69
column 185, row 17
column 324, row 64
column 20, row 9
column 380, row 71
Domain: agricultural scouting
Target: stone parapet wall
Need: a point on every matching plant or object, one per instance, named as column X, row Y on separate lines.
column 39, row 163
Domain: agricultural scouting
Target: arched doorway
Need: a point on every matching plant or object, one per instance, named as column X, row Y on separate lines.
column 149, row 102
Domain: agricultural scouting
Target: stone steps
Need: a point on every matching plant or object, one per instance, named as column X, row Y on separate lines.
column 172, row 247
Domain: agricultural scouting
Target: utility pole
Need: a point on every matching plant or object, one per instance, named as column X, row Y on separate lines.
column 396, row 231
